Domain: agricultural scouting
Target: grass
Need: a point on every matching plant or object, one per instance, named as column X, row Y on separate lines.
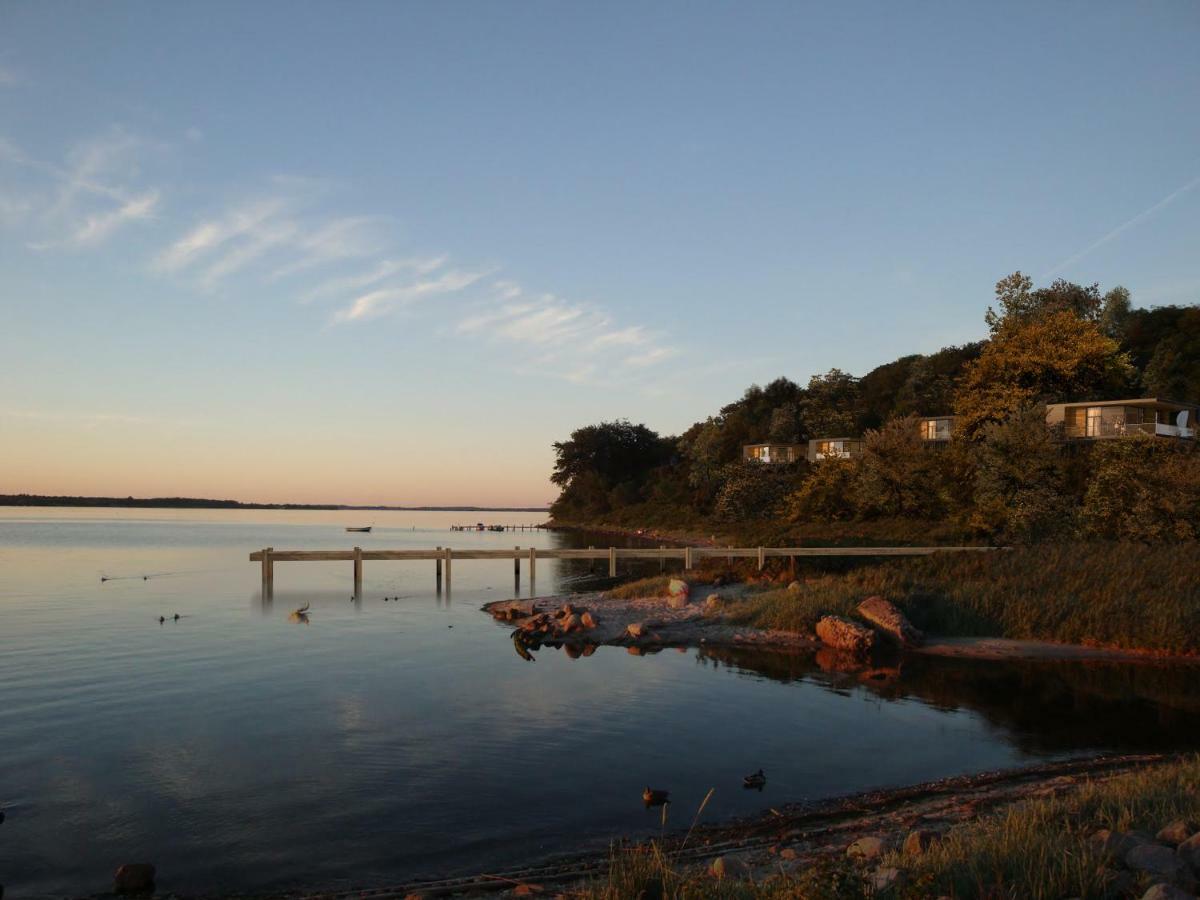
column 1124, row 595
column 1036, row 848
column 655, row 586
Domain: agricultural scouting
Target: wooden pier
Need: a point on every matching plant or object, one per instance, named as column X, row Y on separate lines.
column 479, row 526
column 442, row 557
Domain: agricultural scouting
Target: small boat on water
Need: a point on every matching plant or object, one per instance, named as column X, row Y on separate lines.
column 366, row 530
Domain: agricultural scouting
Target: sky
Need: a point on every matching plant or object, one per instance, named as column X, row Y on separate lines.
column 391, row 252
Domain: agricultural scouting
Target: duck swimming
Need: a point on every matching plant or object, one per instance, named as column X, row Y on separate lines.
column 653, row 797
column 757, row 780
column 300, row 616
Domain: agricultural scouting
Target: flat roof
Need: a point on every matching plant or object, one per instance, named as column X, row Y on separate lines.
column 1132, row 400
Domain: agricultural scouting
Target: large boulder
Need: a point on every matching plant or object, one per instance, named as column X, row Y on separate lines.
column 885, row 616
column 134, row 878
column 1161, row 863
column 1189, row 852
column 842, row 634
column 1175, row 833
column 1167, row 892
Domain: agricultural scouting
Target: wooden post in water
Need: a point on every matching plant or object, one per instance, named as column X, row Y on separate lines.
column 438, row 570
column 532, row 566
column 761, row 559
column 268, row 572
column 449, row 556
column 687, row 558
column 612, row 562
column 358, row 573
column 517, row 567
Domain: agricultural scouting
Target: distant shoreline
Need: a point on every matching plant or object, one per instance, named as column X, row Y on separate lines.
column 201, row 503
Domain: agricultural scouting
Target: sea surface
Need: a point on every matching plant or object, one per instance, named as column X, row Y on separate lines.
column 388, row 739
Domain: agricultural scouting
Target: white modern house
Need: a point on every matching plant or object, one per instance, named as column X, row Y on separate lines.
column 1097, row 420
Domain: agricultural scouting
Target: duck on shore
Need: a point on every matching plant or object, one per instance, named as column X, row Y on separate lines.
column 654, row 797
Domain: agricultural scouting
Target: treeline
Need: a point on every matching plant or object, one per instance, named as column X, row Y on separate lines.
column 201, row 503
column 1003, row 476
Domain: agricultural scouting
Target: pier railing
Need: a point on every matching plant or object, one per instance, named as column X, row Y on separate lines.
column 443, row 557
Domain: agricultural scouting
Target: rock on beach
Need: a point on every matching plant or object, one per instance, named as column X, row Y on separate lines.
column 885, row 616
column 842, row 634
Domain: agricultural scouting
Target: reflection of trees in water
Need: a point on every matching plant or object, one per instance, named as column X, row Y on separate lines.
column 1043, row 706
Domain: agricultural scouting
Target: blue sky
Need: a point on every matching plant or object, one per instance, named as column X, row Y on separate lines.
column 385, row 252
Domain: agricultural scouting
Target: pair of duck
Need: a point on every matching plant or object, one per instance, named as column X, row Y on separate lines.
column 163, row 619
column 654, row 797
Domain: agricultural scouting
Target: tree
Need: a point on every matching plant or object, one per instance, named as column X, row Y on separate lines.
column 752, row 491
column 1019, row 302
column 1018, row 478
column 1143, row 488
column 832, row 404
column 598, row 459
column 1174, row 369
column 1051, row 358
column 897, row 474
column 826, row 495
column 785, row 425
column 1114, row 313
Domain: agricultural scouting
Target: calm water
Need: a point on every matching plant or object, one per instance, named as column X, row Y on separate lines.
column 387, row 740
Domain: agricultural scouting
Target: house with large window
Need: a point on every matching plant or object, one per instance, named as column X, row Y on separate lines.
column 773, row 453
column 835, row 448
column 936, row 429
column 1100, row 419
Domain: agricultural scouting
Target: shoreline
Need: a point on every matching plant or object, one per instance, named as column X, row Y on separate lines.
column 695, row 626
column 783, row 839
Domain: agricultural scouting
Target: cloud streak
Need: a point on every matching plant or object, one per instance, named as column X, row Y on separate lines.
column 1123, row 227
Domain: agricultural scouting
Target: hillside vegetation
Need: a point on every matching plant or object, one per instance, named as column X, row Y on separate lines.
column 1005, row 477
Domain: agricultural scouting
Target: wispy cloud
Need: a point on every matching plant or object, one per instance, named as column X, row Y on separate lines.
column 1123, row 227
column 84, row 199
column 385, row 300
column 387, row 268
column 574, row 341
column 100, row 226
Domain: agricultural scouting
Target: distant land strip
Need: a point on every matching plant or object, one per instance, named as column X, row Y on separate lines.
column 201, row 503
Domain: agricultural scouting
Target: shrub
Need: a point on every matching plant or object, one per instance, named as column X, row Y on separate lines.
column 1143, row 488
column 827, row 494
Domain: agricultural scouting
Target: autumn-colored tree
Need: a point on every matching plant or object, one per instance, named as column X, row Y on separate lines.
column 1052, row 358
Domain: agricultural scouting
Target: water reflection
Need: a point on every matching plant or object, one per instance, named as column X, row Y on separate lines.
column 1043, row 706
